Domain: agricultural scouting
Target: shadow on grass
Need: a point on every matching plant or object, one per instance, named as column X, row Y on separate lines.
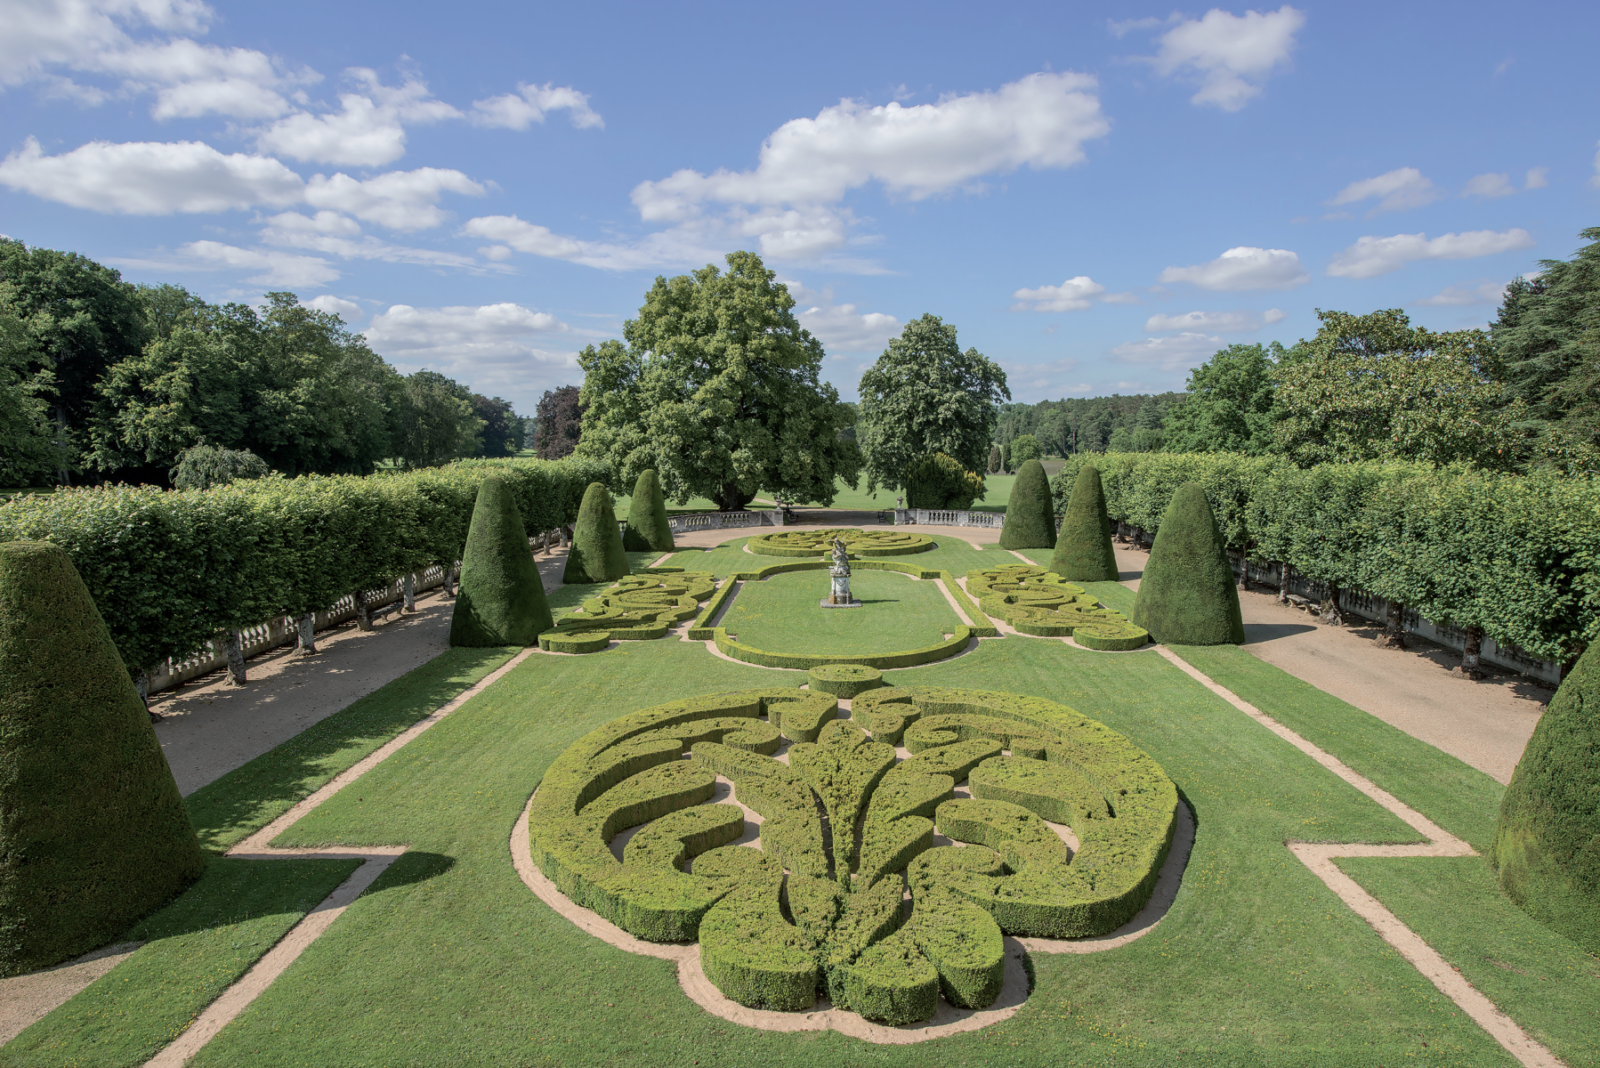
column 229, row 809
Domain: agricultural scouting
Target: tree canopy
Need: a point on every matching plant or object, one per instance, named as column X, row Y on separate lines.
column 1231, row 405
column 925, row 396
column 560, row 423
column 717, row 388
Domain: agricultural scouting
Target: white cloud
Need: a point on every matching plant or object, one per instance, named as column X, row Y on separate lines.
column 1040, row 121
column 1396, row 190
column 1227, row 322
column 1075, row 294
column 498, row 348
column 334, row 234
column 679, row 246
column 1243, row 268
column 1459, row 296
column 1175, row 353
column 150, row 178
column 1372, row 256
column 191, row 79
column 1537, row 178
column 400, row 200
column 531, row 103
column 41, row 33
column 367, row 131
column 348, row 310
column 841, row 327
column 1231, row 55
column 277, row 268
column 1486, row 186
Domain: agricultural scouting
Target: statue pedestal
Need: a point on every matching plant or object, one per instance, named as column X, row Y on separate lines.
column 840, row 597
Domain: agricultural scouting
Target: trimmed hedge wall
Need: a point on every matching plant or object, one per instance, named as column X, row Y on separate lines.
column 882, row 661
column 844, row 680
column 170, row 569
column 1517, row 556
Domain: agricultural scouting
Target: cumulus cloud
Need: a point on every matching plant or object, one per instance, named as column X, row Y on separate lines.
column 1462, row 295
column 334, row 234
column 368, row 130
column 1230, row 55
column 1537, row 178
column 531, row 103
column 348, row 310
column 679, row 246
column 1075, row 294
column 502, row 349
column 1178, row 352
column 400, row 200
column 1487, row 186
column 1243, row 268
column 281, row 269
column 151, row 178
column 1395, row 190
column 842, row 327
column 73, row 32
column 1226, row 322
column 1372, row 256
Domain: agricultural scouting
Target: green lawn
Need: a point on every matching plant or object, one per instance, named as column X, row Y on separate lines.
column 450, row 960
column 897, row 612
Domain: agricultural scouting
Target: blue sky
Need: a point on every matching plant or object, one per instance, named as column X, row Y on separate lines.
column 1098, row 197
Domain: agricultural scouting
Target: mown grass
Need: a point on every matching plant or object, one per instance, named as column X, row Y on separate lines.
column 898, row 612
column 193, row 950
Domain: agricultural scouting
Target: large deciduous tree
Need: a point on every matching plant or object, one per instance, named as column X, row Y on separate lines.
column 1231, row 406
column 718, row 389
column 502, row 429
column 433, row 418
column 559, row 424
column 1373, row 387
column 925, row 396
column 28, row 451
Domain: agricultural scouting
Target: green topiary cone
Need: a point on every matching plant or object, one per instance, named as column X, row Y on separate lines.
column 501, row 599
column 1083, row 548
column 1031, row 512
column 1187, row 595
column 648, row 530
column 1547, row 843
column 93, row 832
column 596, row 554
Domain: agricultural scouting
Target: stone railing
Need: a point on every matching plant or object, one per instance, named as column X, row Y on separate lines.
column 944, row 517
column 686, row 524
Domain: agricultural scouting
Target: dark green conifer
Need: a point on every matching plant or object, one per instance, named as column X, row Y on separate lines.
column 1187, row 595
column 1547, row 843
column 1083, row 548
column 93, row 832
column 648, row 530
column 501, row 599
column 596, row 554
column 1031, row 511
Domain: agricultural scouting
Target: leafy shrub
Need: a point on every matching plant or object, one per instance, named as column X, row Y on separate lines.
column 939, row 481
column 501, row 600
column 1083, row 547
column 1030, row 514
column 1187, row 595
column 648, row 529
column 203, row 466
column 93, row 833
column 596, row 554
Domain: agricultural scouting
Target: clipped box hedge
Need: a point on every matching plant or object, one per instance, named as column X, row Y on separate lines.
column 1043, row 604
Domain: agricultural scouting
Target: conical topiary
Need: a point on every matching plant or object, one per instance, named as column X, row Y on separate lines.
column 1031, row 511
column 1187, row 595
column 648, row 530
column 596, row 554
column 1083, row 548
column 1547, row 843
column 93, row 832
column 501, row 598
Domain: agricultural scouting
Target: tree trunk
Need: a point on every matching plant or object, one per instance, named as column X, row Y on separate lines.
column 63, row 476
column 732, row 498
column 1471, row 649
column 363, row 617
column 233, row 650
column 1394, row 627
column 408, row 588
column 141, row 685
column 1284, row 574
column 1330, row 607
column 1122, row 532
column 306, row 628
column 449, row 580
column 1244, row 572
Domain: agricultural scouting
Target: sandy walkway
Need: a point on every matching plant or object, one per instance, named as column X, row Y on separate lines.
column 1486, row 723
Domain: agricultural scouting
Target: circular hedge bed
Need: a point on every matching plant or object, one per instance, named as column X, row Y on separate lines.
column 807, row 543
column 835, row 924
column 844, row 680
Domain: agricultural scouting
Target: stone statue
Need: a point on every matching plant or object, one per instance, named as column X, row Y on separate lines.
column 841, row 557
column 840, row 597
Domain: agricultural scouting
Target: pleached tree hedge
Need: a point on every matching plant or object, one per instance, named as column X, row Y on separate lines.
column 648, row 530
column 1187, row 595
column 1030, row 513
column 1547, row 843
column 170, row 569
column 501, row 600
column 1083, row 547
column 596, row 554
column 93, row 832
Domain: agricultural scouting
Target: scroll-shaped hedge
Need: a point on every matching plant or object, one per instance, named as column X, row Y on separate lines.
column 835, row 924
column 811, row 542
column 1044, row 604
column 639, row 607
